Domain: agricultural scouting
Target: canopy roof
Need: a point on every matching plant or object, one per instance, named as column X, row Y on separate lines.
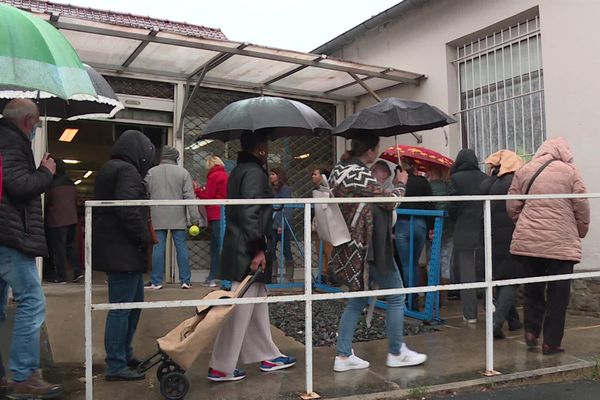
column 225, row 63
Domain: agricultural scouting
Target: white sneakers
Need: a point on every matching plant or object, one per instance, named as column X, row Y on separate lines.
column 406, row 358
column 349, row 363
column 469, row 320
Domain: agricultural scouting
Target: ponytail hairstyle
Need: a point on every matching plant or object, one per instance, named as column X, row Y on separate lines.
column 362, row 142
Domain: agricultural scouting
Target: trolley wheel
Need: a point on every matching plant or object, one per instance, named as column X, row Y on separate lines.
column 174, row 385
column 167, row 367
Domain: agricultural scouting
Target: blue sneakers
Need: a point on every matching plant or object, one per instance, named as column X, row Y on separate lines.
column 218, row 376
column 278, row 363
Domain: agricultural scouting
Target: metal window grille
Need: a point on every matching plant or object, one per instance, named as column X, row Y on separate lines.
column 297, row 155
column 501, row 86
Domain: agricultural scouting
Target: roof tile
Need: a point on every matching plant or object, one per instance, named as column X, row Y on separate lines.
column 117, row 18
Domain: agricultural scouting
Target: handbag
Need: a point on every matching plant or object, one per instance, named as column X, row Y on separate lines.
column 537, row 173
column 330, row 223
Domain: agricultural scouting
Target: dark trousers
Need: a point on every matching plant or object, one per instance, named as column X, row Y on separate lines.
column 62, row 249
column 123, row 287
column 468, row 269
column 546, row 303
column 506, row 297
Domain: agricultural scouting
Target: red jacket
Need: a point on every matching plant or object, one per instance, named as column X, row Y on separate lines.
column 216, row 188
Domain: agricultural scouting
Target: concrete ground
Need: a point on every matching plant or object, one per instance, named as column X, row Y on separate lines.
column 456, row 353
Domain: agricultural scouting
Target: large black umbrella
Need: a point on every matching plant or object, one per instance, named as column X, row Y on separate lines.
column 104, row 104
column 281, row 116
column 394, row 116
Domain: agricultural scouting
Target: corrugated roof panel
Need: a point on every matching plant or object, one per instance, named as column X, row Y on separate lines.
column 248, row 69
column 316, row 79
column 176, row 59
column 101, row 49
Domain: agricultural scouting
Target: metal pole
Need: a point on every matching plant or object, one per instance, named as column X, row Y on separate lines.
column 308, row 328
column 89, row 395
column 489, row 300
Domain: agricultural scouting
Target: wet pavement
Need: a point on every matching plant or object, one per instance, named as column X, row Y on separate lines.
column 456, row 353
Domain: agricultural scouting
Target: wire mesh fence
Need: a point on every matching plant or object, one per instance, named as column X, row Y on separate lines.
column 297, row 155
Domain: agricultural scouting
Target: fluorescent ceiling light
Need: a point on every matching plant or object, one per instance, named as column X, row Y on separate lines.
column 68, row 134
column 66, row 161
column 203, row 143
column 87, row 174
column 77, row 182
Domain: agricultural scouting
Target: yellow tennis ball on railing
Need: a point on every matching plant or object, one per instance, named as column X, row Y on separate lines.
column 194, row 230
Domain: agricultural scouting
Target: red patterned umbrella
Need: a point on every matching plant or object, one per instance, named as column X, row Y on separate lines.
column 422, row 156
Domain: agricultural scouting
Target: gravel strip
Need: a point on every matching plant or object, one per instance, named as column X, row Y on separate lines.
column 289, row 317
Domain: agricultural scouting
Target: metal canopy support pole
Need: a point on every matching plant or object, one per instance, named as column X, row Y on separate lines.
column 362, row 83
column 290, row 72
column 140, row 48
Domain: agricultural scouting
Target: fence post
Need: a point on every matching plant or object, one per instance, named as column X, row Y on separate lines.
column 89, row 395
column 489, row 299
column 308, row 345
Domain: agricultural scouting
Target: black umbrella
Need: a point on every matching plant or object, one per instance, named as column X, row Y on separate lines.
column 282, row 116
column 104, row 105
column 394, row 116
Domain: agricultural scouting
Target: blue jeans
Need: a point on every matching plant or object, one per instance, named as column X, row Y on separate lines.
column 123, row 287
column 158, row 256
column 3, row 301
column 215, row 248
column 403, row 242
column 18, row 271
column 394, row 315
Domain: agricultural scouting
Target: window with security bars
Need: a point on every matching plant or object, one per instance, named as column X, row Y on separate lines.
column 297, row 155
column 501, row 84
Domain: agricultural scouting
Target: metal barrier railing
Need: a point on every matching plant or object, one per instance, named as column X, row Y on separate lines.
column 308, row 297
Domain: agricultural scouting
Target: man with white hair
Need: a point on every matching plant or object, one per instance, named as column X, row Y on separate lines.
column 21, row 240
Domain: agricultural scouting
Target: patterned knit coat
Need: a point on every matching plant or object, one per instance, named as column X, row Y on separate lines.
column 348, row 260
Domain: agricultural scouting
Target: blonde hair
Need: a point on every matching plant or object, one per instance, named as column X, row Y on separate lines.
column 213, row 161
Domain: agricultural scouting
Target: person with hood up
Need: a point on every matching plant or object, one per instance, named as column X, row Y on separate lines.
column 169, row 181
column 548, row 237
column 61, row 224
column 120, row 239
column 216, row 188
column 503, row 165
column 466, row 179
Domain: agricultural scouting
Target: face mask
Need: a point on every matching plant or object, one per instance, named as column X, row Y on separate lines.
column 32, row 133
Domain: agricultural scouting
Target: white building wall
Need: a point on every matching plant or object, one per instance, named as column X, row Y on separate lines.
column 424, row 39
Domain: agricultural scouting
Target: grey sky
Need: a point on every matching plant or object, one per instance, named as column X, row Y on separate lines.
column 290, row 24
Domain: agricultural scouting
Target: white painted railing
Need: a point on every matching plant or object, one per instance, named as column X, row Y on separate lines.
column 308, row 297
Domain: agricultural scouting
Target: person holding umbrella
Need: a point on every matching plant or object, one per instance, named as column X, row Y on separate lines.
column 370, row 247
column 245, row 337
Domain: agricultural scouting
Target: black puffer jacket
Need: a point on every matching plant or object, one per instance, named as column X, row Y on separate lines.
column 120, row 235
column 248, row 227
column 466, row 180
column 505, row 265
column 21, row 208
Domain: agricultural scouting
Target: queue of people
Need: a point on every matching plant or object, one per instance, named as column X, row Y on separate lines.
column 530, row 238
